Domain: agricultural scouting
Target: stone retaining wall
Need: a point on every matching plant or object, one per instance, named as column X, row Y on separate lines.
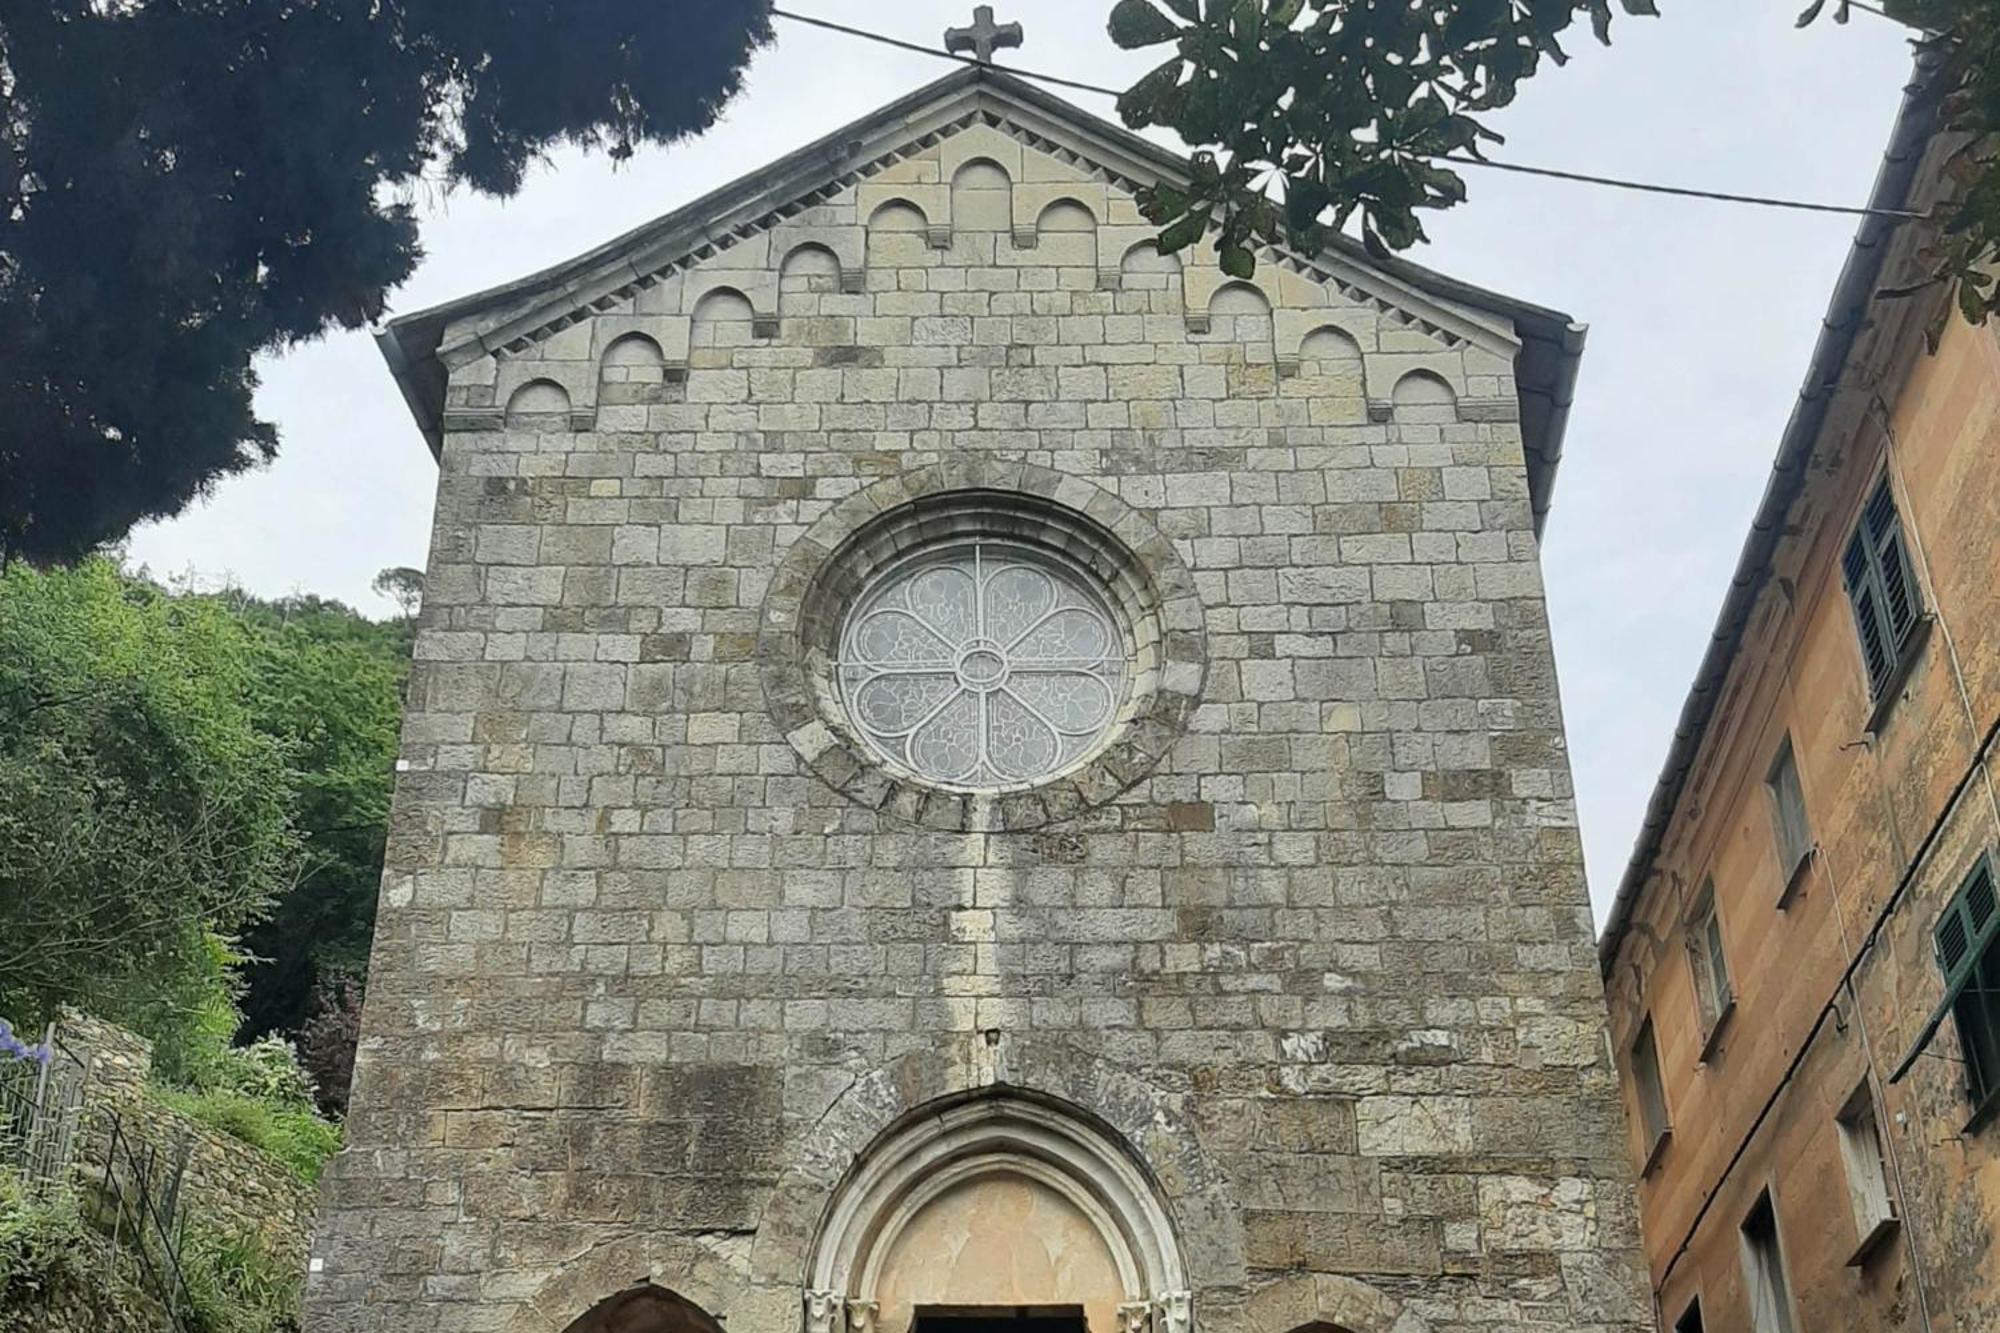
column 227, row 1183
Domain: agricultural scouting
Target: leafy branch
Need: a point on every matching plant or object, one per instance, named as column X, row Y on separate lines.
column 1318, row 115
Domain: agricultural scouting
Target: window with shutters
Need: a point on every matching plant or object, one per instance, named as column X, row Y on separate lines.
column 1883, row 590
column 1690, row 1320
column 1861, row 1152
column 1968, row 953
column 1788, row 819
column 1651, row 1094
column 1714, row 996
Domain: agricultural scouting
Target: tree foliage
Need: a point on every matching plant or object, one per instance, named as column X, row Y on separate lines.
column 1348, row 111
column 329, row 687
column 194, row 798
column 1968, row 39
column 142, row 812
column 187, row 183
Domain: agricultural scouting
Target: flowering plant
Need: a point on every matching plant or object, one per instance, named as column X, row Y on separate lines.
column 14, row 1048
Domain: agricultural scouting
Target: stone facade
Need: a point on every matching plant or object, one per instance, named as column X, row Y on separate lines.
column 1295, row 977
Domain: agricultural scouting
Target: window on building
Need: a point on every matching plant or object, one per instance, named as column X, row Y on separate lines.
column 1968, row 952
column 1882, row 588
column 1711, row 964
column 1867, row 1172
column 1788, row 814
column 1690, row 1320
column 1764, row 1270
column 1652, row 1094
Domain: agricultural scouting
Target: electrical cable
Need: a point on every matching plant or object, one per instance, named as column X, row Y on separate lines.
column 1456, row 159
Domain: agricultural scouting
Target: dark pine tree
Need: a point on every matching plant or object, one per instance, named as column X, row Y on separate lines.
column 187, row 183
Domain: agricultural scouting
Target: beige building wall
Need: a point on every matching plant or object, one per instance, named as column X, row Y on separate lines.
column 1833, row 971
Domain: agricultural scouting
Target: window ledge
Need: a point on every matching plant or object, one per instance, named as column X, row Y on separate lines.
column 1797, row 879
column 1656, row 1152
column 1711, row 1043
column 1872, row 1243
column 1891, row 691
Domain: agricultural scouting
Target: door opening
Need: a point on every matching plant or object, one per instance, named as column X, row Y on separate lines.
column 999, row 1319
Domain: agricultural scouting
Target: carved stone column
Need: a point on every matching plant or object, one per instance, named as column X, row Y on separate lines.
column 1135, row 1317
column 823, row 1311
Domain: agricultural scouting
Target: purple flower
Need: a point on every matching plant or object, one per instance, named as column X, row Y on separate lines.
column 14, row 1048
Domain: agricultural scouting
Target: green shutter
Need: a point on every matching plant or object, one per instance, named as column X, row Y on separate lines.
column 1881, row 585
column 1859, row 575
column 1966, row 927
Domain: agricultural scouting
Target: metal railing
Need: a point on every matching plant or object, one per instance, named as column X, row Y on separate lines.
column 143, row 1192
column 56, row 1137
column 41, row 1107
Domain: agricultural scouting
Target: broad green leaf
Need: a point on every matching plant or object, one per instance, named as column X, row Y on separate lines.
column 1184, row 233
column 1237, row 261
column 1136, row 23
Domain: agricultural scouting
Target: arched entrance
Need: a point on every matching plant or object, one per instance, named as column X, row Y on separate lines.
column 1003, row 1214
column 645, row 1309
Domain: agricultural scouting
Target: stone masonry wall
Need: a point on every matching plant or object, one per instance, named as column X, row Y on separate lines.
column 644, row 984
column 226, row 1183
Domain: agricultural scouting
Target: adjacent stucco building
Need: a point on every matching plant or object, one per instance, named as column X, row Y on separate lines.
column 964, row 774
column 1804, row 959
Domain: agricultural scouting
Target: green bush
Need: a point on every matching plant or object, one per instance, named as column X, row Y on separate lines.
column 53, row 1278
column 294, row 1135
column 235, row 1286
column 268, row 1070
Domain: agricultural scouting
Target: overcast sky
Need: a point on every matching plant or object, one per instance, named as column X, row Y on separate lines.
column 1701, row 315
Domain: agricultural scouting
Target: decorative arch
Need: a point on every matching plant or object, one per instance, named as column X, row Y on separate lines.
column 982, row 197
column 809, row 271
column 1144, row 261
column 1066, row 215
column 900, row 235
column 1066, row 233
column 1238, row 299
column 723, row 318
column 1423, row 398
column 1327, row 367
column 645, row 1309
column 632, row 371
column 537, row 398
column 932, row 1214
column 1329, row 343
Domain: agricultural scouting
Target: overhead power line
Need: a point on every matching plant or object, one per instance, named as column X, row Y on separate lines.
column 1456, row 159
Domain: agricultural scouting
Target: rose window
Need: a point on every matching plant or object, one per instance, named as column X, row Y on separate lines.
column 985, row 665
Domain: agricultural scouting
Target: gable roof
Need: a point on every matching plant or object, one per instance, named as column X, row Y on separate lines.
column 1858, row 313
column 1551, row 343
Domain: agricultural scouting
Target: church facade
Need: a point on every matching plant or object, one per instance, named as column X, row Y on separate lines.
column 964, row 775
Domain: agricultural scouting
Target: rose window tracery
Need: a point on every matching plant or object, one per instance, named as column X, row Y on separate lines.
column 984, row 665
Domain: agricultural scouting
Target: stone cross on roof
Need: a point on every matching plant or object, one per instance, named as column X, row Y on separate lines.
column 984, row 37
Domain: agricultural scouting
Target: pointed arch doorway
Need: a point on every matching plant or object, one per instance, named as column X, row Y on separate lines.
column 1001, row 1214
